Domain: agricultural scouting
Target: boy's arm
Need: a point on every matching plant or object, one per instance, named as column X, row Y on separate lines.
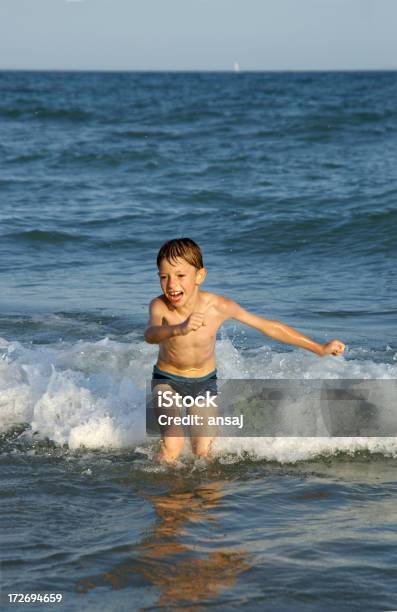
column 156, row 331
column 280, row 331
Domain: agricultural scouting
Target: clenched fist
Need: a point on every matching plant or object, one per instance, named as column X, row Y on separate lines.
column 192, row 323
column 335, row 347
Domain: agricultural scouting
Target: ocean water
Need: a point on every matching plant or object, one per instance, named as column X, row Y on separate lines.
column 289, row 183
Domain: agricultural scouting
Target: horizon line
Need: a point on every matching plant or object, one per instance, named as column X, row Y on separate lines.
column 198, row 71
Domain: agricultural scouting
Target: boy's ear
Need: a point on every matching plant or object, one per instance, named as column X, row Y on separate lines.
column 200, row 276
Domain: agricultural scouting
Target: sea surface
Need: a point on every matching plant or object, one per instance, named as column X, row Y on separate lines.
column 288, row 181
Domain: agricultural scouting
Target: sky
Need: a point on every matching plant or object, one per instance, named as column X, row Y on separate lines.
column 198, row 34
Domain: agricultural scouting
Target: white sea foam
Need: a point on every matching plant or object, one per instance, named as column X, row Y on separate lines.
column 92, row 394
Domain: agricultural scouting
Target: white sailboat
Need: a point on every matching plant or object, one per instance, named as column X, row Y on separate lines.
column 236, row 67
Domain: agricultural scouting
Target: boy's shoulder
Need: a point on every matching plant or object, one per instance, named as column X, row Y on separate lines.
column 220, row 302
column 158, row 304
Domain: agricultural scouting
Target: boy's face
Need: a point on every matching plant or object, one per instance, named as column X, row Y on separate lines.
column 179, row 280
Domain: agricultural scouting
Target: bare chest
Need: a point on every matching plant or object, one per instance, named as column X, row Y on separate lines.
column 200, row 338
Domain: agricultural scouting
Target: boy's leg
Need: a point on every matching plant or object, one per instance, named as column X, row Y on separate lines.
column 172, row 436
column 202, row 446
column 203, row 435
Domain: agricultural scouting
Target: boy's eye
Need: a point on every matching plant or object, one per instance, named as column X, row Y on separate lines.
column 181, row 275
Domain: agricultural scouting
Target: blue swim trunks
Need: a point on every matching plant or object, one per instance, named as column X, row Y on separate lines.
column 189, row 389
column 186, row 385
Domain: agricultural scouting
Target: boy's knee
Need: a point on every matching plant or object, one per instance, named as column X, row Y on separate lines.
column 170, row 448
column 173, row 443
column 202, row 448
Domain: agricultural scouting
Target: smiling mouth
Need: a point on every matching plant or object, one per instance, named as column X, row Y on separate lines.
column 174, row 296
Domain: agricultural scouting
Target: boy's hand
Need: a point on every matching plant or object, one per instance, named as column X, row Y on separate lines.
column 192, row 323
column 335, row 347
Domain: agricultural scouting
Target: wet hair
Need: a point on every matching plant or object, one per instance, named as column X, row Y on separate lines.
column 184, row 248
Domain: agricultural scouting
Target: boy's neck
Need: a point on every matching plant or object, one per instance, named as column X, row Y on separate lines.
column 190, row 305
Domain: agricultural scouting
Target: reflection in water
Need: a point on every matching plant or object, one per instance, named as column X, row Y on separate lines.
column 172, row 558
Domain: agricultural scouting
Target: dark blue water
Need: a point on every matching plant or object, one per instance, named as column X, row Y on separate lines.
column 289, row 183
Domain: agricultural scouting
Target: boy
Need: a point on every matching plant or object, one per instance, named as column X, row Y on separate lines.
column 184, row 321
